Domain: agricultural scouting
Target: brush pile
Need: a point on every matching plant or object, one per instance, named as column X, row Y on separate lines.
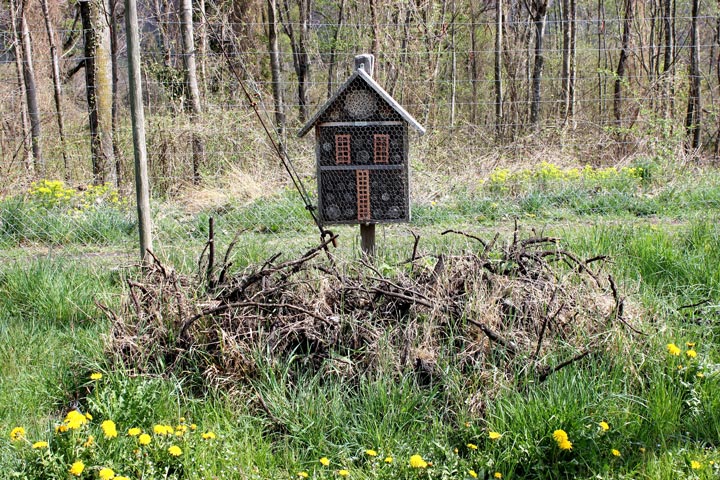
column 523, row 305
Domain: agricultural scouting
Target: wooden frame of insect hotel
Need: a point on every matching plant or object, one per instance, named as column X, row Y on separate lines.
column 361, row 136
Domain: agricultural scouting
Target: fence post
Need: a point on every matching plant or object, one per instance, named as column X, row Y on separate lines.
column 137, row 115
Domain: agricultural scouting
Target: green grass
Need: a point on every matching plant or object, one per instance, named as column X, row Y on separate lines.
column 662, row 415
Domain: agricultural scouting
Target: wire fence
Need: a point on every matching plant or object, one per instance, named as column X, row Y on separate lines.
column 475, row 167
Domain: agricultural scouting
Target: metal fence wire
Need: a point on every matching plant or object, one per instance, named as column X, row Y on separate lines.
column 600, row 158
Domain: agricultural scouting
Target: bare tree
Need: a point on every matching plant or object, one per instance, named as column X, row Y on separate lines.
column 57, row 94
column 299, row 45
column 332, row 61
column 98, row 87
column 692, row 119
column 622, row 62
column 112, row 16
column 188, row 41
column 275, row 67
column 498, row 68
column 568, row 61
column 31, row 92
column 539, row 17
column 669, row 55
column 17, row 47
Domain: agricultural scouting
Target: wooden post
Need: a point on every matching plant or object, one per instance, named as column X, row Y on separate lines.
column 367, row 239
column 137, row 115
column 367, row 230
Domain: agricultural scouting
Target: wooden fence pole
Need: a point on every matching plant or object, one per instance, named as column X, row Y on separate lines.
column 137, row 115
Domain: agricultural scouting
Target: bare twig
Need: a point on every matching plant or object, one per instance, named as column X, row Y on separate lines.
column 545, row 372
column 457, row 232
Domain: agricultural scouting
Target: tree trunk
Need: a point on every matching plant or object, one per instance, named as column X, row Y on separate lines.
column 113, row 24
column 333, row 49
column 203, row 38
column 298, row 44
column 31, row 94
column 668, row 57
column 717, row 72
column 98, row 87
column 275, row 68
column 620, row 72
column 21, row 88
column 453, row 66
column 56, row 86
column 567, row 75
column 540, row 20
column 375, row 48
column 498, row 69
column 692, row 119
column 188, row 41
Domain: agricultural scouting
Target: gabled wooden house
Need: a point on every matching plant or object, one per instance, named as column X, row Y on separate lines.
column 362, row 152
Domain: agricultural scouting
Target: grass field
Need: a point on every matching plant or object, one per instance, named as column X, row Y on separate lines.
column 647, row 407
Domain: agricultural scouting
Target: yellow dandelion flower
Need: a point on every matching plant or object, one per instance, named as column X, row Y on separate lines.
column 565, row 445
column 17, row 433
column 182, row 419
column 371, row 453
column 181, row 428
column 134, row 432
column 494, row 435
column 472, row 446
column 560, row 436
column 344, row 473
column 61, row 428
column 175, row 451
column 193, row 427
column 642, row 449
column 96, row 376
column 89, row 442
column 388, row 459
column 162, row 430
column 38, row 445
column 615, row 452
column 303, row 474
column 208, row 436
column 324, row 461
column 416, row 461
column 144, row 439
column 690, row 344
column 109, row 428
column 472, row 473
column 497, row 475
column 74, row 420
column 106, row 474
column 77, row 468
column 604, row 426
column 673, row 349
column 695, row 465
column 691, row 353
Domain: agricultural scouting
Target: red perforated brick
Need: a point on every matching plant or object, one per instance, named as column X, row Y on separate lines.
column 362, row 179
column 381, row 144
column 342, row 149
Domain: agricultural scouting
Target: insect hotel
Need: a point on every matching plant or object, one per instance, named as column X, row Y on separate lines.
column 361, row 136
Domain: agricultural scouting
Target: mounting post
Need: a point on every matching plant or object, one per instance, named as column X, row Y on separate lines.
column 367, row 239
column 366, row 61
